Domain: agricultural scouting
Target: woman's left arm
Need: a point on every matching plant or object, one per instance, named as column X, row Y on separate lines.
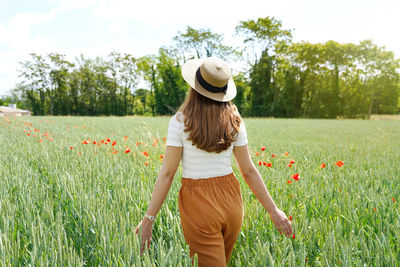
column 171, row 161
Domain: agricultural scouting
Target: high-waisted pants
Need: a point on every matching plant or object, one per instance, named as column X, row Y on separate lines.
column 211, row 212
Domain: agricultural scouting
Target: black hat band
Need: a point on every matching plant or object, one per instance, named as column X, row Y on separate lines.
column 209, row 87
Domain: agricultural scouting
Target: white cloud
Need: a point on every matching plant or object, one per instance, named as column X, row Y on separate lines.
column 17, row 42
column 16, row 33
column 206, row 12
column 118, row 27
column 24, row 21
column 67, row 5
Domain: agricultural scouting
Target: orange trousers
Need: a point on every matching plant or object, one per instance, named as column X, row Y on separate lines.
column 211, row 212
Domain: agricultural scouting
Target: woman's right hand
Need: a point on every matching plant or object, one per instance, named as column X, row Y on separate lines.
column 145, row 235
column 281, row 222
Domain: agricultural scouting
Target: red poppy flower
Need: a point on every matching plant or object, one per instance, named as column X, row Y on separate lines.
column 145, row 153
column 269, row 164
column 273, row 155
column 146, row 163
column 127, row 150
column 290, row 217
column 263, row 148
column 28, row 134
column 71, row 147
column 161, row 156
column 289, row 181
column 257, row 154
column 40, row 141
column 164, row 139
column 323, row 165
column 114, row 143
column 259, row 162
column 264, row 163
column 286, row 153
column 293, row 236
column 289, row 165
column 393, row 199
column 291, row 162
column 108, row 140
column 102, row 141
column 106, row 143
column 339, row 163
column 94, row 142
column 115, row 152
column 137, row 143
column 296, row 176
column 85, row 142
column 125, row 138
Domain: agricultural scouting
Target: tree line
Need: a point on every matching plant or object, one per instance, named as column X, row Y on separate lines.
column 281, row 79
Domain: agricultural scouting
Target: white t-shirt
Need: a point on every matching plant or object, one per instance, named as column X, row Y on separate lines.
column 197, row 163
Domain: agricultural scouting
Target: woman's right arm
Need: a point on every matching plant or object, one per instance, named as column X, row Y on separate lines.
column 257, row 186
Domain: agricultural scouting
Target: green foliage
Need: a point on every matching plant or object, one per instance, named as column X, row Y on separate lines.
column 243, row 96
column 284, row 79
column 262, row 87
column 203, row 43
column 267, row 30
column 325, row 81
column 171, row 90
column 80, row 206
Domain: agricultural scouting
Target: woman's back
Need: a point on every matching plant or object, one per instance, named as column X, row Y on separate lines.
column 198, row 163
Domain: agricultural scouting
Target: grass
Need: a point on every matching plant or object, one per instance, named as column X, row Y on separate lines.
column 80, row 206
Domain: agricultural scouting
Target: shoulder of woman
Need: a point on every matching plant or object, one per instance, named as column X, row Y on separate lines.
column 242, row 126
column 179, row 117
column 177, row 121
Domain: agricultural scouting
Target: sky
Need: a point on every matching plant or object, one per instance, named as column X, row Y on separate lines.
column 98, row 27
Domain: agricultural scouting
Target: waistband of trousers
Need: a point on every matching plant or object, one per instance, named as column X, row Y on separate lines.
column 224, row 179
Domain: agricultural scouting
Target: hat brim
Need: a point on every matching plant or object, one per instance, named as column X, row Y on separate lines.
column 189, row 75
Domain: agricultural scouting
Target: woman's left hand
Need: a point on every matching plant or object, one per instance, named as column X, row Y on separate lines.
column 145, row 235
column 281, row 222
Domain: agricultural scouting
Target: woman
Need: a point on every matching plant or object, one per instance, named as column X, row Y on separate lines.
column 204, row 133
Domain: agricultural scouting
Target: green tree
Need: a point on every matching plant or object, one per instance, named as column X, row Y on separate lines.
column 146, row 67
column 36, row 82
column 272, row 40
column 243, row 97
column 59, row 90
column 199, row 43
column 171, row 89
column 124, row 71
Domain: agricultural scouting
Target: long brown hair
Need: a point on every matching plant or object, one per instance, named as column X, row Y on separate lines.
column 212, row 125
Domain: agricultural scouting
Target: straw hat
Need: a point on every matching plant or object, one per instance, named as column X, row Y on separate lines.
column 210, row 77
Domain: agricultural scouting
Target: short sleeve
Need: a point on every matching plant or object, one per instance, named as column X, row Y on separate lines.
column 174, row 133
column 241, row 139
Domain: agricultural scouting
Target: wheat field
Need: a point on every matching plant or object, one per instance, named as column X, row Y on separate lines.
column 73, row 189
